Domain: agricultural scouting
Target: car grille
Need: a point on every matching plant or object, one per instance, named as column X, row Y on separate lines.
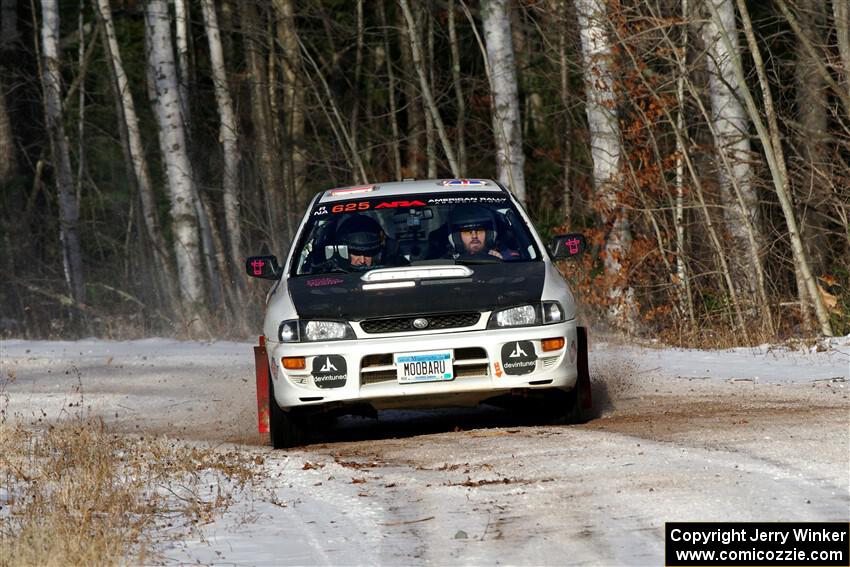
column 435, row 321
column 468, row 362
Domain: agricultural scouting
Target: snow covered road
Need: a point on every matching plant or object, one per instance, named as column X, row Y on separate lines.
column 748, row 434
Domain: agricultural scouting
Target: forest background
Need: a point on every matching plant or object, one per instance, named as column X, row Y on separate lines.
column 147, row 147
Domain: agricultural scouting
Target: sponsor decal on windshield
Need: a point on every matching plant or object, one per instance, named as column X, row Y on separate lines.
column 459, row 200
column 397, row 204
column 350, row 207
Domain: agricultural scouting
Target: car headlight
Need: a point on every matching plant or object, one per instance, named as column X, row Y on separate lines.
column 552, row 312
column 288, row 332
column 526, row 315
column 521, row 316
column 294, row 331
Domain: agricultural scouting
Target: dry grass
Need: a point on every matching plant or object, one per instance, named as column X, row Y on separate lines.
column 75, row 494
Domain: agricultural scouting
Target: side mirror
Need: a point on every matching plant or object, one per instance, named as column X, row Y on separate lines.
column 264, row 267
column 568, row 245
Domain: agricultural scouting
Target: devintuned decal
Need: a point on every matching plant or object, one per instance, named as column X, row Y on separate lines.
column 329, row 371
column 519, row 357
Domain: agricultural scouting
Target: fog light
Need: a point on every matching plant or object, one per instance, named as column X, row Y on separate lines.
column 294, row 362
column 552, row 344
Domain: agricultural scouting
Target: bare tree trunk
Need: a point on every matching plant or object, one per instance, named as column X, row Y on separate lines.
column 354, row 127
column 507, row 129
column 165, row 98
column 69, row 211
column 81, row 100
column 602, row 119
column 391, row 96
column 415, row 114
column 460, row 123
column 181, row 17
column 293, row 100
column 841, row 13
column 430, row 104
column 8, row 163
column 560, row 9
column 730, row 126
column 429, row 121
column 138, row 164
column 266, row 147
column 8, row 24
column 814, row 174
column 686, row 303
column 229, row 138
column 772, row 142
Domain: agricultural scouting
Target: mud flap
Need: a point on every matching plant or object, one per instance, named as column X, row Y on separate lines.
column 583, row 369
column 261, row 363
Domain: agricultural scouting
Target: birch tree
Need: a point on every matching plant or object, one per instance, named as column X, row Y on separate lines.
column 507, row 129
column 181, row 34
column 228, row 135
column 135, row 148
column 165, row 98
column 69, row 210
column 730, row 128
column 771, row 139
column 605, row 147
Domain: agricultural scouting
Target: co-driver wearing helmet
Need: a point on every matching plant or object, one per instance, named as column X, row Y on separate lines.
column 472, row 231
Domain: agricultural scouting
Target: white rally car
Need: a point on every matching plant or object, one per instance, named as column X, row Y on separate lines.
column 417, row 294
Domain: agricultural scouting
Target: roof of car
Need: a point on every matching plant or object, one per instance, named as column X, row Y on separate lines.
column 412, row 187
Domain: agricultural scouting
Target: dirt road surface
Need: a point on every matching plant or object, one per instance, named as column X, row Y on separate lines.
column 676, row 436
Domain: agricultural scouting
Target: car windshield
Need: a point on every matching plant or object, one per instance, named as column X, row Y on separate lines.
column 445, row 228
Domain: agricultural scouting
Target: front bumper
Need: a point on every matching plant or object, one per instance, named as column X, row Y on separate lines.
column 481, row 369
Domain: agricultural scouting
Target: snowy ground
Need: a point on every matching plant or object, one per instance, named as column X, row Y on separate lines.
column 745, row 434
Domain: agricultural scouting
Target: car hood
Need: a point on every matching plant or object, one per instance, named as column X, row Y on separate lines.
column 491, row 286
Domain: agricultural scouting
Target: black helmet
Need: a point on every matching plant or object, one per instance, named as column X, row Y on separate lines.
column 467, row 216
column 361, row 235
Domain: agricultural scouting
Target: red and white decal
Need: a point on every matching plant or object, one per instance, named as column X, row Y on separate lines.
column 396, row 204
column 353, row 190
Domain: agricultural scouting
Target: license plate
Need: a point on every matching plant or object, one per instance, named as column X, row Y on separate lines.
column 433, row 366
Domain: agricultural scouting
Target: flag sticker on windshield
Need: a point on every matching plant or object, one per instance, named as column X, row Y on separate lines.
column 463, row 183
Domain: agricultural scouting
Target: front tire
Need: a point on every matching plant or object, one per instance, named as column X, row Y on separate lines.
column 284, row 429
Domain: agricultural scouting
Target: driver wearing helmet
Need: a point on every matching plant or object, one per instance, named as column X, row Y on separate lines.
column 364, row 241
column 472, row 232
